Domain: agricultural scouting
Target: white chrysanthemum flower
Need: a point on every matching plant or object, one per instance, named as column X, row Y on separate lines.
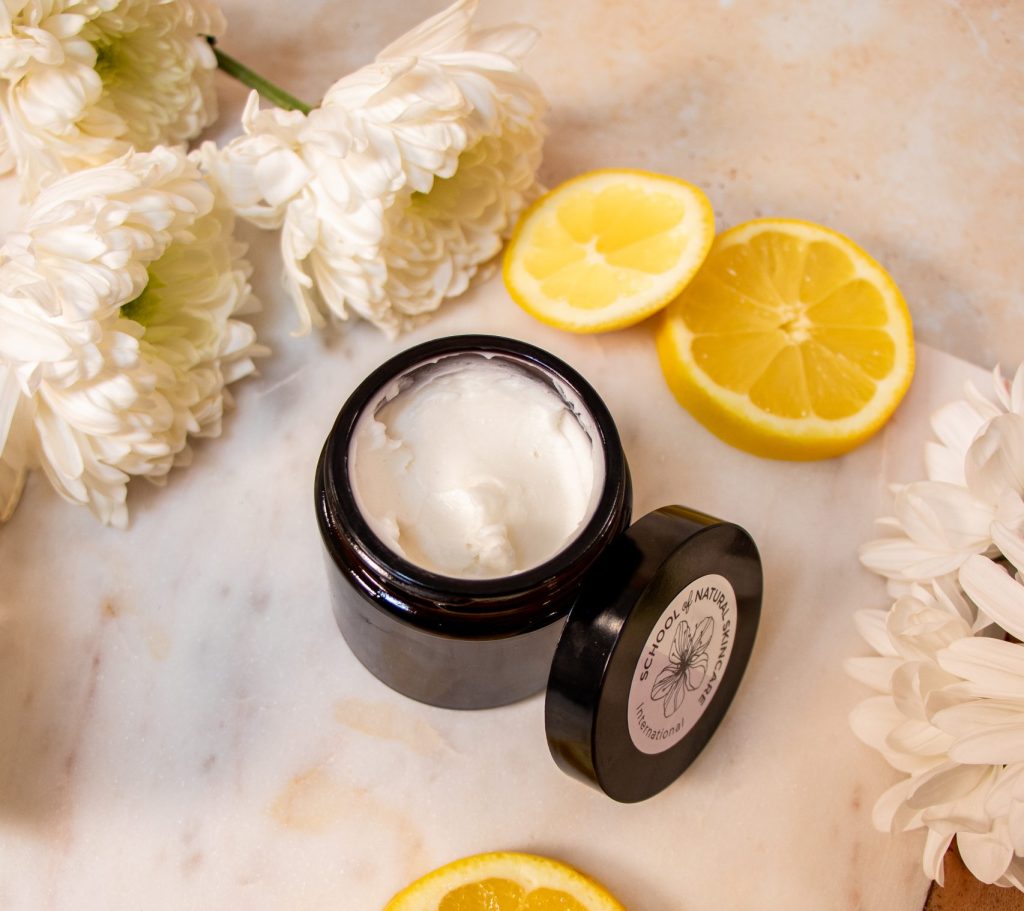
column 86, row 80
column 950, row 724
column 976, row 480
column 950, row 713
column 993, row 589
column 403, row 181
column 117, row 334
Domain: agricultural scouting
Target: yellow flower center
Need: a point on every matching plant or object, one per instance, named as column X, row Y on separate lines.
column 106, row 60
column 144, row 308
column 448, row 196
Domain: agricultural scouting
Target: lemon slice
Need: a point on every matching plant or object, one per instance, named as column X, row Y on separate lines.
column 790, row 342
column 504, row 881
column 607, row 249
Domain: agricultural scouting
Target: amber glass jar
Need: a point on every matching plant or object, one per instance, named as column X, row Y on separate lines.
column 457, row 642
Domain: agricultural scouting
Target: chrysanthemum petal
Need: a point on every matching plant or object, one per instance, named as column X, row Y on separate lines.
column 15, row 427
column 871, row 624
column 872, row 721
column 995, row 592
column 993, row 744
column 980, row 402
column 1014, row 874
column 956, row 425
column 875, row 672
column 444, row 31
column 889, row 812
column 935, row 847
column 947, row 593
column 918, row 628
column 904, row 559
column 995, row 462
column 944, row 784
column 942, row 516
column 986, row 855
column 1007, row 788
column 1010, row 543
column 968, row 717
column 996, row 667
column 944, row 464
column 919, row 738
column 1017, row 391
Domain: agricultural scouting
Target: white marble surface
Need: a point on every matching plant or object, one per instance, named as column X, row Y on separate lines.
column 181, row 726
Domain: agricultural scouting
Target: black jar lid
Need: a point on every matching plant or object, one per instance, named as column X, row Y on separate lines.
column 653, row 652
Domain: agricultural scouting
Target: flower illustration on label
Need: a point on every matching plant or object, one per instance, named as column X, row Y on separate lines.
column 687, row 665
column 687, row 651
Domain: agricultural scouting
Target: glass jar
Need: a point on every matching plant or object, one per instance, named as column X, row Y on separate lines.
column 459, row 642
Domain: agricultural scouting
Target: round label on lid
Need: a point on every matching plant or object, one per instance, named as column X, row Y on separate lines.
column 653, row 652
column 682, row 664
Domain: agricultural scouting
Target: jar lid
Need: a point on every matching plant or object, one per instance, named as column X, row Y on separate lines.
column 653, row 652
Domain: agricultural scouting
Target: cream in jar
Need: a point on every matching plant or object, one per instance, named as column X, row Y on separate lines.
column 471, row 467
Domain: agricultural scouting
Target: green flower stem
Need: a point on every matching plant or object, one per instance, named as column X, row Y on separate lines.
column 266, row 89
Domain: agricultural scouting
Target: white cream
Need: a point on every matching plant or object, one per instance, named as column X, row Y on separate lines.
column 470, row 467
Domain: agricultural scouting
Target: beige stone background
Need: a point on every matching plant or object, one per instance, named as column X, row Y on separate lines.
column 181, row 731
column 897, row 122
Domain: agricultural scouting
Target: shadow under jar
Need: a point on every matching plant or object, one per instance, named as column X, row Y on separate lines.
column 451, row 640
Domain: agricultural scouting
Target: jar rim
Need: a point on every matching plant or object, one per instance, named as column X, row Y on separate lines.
column 444, row 598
